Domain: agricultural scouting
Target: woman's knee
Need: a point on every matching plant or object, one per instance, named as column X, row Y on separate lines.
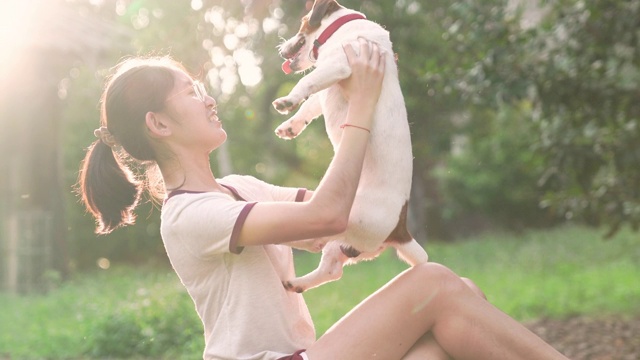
column 436, row 277
column 475, row 288
column 444, row 279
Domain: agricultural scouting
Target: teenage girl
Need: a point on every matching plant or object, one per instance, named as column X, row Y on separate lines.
column 226, row 238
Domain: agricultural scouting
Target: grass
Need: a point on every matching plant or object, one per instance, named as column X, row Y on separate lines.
column 556, row 273
column 70, row 322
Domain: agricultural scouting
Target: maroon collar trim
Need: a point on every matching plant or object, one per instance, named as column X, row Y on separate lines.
column 235, row 192
column 178, row 192
column 326, row 34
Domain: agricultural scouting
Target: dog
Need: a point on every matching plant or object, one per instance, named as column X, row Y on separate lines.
column 378, row 217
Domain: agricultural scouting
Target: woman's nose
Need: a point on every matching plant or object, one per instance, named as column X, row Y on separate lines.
column 210, row 101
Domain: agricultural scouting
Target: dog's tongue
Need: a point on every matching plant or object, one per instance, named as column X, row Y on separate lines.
column 286, row 67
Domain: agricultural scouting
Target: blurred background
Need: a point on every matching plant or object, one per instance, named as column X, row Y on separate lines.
column 524, row 115
column 525, row 126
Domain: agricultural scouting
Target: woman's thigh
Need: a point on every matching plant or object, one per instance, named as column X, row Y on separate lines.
column 390, row 321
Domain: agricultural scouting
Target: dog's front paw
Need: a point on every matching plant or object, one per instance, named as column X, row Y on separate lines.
column 286, row 104
column 290, row 129
column 291, row 286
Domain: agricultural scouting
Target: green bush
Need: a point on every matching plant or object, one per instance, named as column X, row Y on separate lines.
column 494, row 172
column 151, row 328
column 154, row 324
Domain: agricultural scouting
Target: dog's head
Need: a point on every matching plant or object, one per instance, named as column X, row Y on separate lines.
column 298, row 50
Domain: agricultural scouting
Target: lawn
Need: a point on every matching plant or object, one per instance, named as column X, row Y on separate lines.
column 129, row 312
column 558, row 273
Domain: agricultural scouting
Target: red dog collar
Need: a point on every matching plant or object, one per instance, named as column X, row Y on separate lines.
column 326, row 34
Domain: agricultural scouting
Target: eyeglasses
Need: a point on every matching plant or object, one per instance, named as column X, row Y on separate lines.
column 198, row 88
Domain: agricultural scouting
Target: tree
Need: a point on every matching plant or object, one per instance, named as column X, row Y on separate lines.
column 588, row 93
column 440, row 46
column 580, row 69
column 32, row 218
column 469, row 71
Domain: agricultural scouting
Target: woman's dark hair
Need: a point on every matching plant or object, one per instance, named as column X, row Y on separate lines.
column 108, row 182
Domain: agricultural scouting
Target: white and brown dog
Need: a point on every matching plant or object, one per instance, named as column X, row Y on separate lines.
column 379, row 215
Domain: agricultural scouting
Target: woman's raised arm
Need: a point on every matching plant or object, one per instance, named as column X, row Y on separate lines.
column 327, row 212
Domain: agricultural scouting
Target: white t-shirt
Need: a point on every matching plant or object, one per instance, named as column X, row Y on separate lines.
column 238, row 292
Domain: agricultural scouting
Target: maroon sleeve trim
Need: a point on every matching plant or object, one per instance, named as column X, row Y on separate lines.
column 300, row 195
column 235, row 233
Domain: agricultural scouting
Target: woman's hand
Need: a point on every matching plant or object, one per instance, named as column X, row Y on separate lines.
column 363, row 87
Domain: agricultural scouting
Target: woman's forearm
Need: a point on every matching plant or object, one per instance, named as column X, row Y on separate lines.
column 336, row 192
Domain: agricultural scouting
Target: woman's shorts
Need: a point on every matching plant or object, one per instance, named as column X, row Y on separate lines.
column 298, row 355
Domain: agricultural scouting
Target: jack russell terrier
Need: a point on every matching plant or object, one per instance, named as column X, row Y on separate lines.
column 378, row 217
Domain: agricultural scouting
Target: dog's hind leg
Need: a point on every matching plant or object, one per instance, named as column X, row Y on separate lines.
column 329, row 269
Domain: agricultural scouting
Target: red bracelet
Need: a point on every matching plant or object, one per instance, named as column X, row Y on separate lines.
column 355, row 126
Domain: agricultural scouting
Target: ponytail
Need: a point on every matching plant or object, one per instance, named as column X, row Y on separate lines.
column 109, row 189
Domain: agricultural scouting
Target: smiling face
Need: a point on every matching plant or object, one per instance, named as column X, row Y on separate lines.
column 194, row 116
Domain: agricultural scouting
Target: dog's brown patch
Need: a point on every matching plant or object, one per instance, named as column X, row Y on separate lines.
column 310, row 22
column 293, row 51
column 401, row 234
column 304, row 25
column 321, row 8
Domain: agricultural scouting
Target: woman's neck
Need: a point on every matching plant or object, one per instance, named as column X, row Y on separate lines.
column 189, row 174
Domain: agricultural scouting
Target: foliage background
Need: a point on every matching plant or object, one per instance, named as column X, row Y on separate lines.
column 523, row 114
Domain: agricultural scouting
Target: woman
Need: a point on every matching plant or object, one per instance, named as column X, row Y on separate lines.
column 223, row 236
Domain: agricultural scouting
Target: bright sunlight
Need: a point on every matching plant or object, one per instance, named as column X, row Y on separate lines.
column 17, row 28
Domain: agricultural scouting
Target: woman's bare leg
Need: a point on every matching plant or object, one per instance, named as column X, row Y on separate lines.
column 474, row 287
column 428, row 297
column 427, row 348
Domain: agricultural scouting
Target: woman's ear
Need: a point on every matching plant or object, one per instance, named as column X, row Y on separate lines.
column 157, row 125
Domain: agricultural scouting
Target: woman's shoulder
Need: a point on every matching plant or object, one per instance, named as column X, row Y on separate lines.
column 246, row 185
column 178, row 196
column 196, row 203
column 188, row 211
column 240, row 180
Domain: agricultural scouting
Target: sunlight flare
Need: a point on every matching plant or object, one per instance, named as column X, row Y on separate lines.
column 16, row 28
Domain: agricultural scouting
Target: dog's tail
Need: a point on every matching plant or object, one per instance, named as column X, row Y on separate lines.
column 411, row 252
column 406, row 246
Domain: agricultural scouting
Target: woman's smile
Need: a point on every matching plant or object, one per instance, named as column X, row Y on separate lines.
column 213, row 115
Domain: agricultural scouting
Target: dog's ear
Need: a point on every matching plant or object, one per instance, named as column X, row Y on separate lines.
column 320, row 9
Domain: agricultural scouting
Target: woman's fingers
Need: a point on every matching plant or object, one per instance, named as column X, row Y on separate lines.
column 369, row 55
column 365, row 47
column 367, row 50
column 350, row 52
column 367, row 69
